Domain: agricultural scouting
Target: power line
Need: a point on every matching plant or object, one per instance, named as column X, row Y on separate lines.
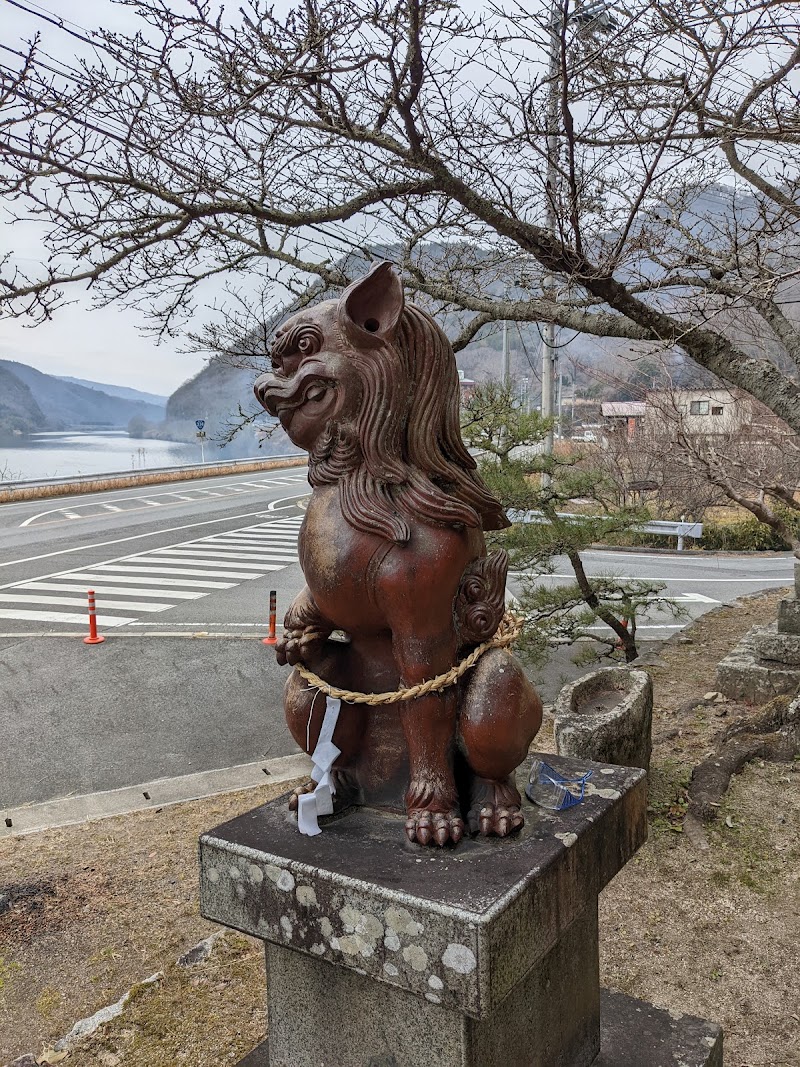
column 58, row 22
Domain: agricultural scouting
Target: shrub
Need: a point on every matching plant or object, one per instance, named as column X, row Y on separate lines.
column 747, row 535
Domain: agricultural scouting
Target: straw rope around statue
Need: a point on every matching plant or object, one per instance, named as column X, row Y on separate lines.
column 508, row 630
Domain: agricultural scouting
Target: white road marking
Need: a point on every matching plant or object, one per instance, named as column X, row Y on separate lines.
column 285, row 536
column 198, row 625
column 29, row 598
column 143, row 574
column 157, row 533
column 695, row 598
column 216, row 561
column 278, row 556
column 108, row 507
column 699, row 580
column 113, row 568
column 152, row 579
column 253, row 542
column 220, row 556
column 120, row 590
column 247, row 551
column 62, row 616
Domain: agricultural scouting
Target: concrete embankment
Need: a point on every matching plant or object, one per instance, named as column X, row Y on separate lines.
column 123, row 480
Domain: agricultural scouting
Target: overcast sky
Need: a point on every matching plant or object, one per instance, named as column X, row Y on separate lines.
column 103, row 345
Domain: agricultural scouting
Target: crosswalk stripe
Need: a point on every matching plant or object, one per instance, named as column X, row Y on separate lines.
column 279, row 555
column 167, row 576
column 255, row 535
column 279, row 539
column 171, row 566
column 63, row 616
column 214, row 555
column 194, row 560
column 30, row 598
column 222, row 546
column 153, row 578
column 120, row 590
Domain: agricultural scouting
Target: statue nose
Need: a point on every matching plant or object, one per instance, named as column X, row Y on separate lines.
column 261, row 390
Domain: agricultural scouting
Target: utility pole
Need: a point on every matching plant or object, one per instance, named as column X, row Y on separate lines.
column 506, row 357
column 595, row 16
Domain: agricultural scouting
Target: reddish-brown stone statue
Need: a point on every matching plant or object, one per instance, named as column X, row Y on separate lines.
column 394, row 557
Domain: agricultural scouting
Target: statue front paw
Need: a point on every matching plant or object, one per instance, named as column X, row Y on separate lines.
column 302, row 645
column 434, row 827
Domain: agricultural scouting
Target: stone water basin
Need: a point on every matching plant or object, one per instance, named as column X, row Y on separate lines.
column 607, row 716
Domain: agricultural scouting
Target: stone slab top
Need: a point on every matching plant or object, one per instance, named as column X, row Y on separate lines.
column 636, row 1034
column 459, row 926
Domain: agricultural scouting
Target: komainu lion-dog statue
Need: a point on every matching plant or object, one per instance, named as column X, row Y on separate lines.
column 394, row 557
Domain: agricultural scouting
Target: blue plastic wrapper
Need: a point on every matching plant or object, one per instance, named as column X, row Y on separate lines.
column 549, row 789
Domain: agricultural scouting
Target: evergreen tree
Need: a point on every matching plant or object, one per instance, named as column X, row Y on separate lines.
column 559, row 510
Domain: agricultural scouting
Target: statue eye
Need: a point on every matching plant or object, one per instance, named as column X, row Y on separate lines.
column 307, row 341
column 295, row 344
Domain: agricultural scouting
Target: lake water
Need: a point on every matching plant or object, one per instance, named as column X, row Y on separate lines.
column 61, row 455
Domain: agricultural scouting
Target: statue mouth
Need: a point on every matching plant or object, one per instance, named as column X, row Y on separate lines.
column 283, row 397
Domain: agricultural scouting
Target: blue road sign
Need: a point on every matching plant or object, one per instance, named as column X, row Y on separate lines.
column 199, row 423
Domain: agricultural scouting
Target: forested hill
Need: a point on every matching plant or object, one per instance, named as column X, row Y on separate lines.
column 222, row 396
column 31, row 402
column 19, row 412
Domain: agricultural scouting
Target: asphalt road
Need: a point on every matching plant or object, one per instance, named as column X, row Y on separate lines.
column 696, row 582
column 76, row 719
column 182, row 576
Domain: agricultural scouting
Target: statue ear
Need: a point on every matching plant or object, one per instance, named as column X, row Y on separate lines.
column 372, row 305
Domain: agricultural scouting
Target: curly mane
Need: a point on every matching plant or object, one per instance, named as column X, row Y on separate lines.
column 404, row 462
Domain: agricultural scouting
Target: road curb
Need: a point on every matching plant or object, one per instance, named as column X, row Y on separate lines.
column 204, row 634
column 161, row 793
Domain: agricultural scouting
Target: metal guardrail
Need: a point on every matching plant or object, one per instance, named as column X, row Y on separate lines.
column 76, row 479
column 657, row 526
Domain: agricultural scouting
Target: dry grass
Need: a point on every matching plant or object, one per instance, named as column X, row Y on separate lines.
column 100, row 907
column 712, row 933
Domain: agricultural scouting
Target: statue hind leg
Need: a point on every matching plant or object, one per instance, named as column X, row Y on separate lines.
column 500, row 715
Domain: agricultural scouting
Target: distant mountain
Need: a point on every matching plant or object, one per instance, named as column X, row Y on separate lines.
column 118, row 390
column 217, row 394
column 19, row 412
column 32, row 401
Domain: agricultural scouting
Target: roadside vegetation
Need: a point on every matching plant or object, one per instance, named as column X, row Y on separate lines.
column 541, row 492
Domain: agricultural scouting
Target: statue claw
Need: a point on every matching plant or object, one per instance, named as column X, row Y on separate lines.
column 495, row 809
column 301, row 790
column 440, row 828
column 300, row 645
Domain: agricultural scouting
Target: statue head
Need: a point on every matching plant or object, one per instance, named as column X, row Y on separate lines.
column 368, row 386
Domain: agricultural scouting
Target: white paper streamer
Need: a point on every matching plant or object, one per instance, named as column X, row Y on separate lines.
column 311, row 805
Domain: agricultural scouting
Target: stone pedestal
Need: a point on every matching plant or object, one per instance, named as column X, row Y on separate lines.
column 766, row 663
column 789, row 609
column 384, row 954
